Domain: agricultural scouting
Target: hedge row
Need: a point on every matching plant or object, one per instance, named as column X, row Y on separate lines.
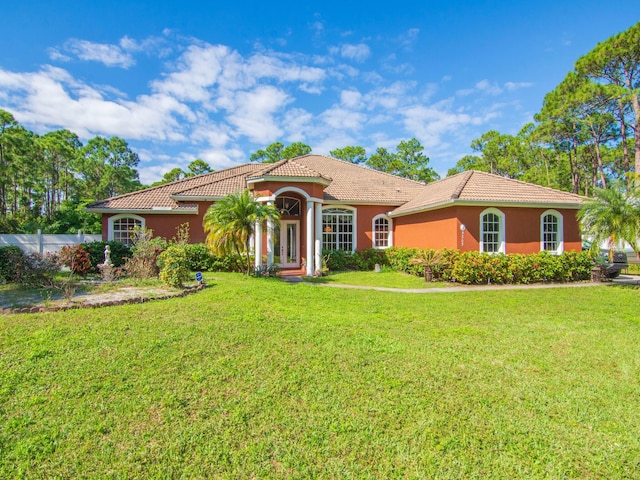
column 473, row 267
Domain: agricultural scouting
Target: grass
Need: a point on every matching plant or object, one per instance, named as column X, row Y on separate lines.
column 385, row 278
column 254, row 378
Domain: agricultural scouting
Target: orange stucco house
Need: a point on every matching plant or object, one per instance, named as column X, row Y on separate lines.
column 330, row 204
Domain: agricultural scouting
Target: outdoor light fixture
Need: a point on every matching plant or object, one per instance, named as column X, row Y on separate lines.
column 462, row 229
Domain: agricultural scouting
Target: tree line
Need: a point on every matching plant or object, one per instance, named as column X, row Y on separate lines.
column 45, row 180
column 587, row 133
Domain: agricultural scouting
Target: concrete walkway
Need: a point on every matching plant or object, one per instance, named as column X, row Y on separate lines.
column 621, row 280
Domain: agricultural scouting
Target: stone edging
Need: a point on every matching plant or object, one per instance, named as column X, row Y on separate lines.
column 108, row 303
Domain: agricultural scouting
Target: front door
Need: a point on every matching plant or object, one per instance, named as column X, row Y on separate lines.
column 287, row 244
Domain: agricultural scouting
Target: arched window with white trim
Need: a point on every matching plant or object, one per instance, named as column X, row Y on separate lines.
column 551, row 232
column 338, row 229
column 121, row 227
column 492, row 231
column 381, row 230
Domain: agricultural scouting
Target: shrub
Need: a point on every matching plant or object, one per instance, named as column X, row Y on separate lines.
column 10, row 257
column 339, row 260
column 445, row 269
column 227, row 263
column 173, row 265
column 399, row 258
column 479, row 268
column 199, row 258
column 36, row 270
column 144, row 254
column 368, row 258
column 119, row 253
column 76, row 258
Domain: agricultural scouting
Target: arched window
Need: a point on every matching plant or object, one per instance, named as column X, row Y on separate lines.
column 121, row 227
column 288, row 206
column 338, row 227
column 551, row 232
column 492, row 237
column 382, row 232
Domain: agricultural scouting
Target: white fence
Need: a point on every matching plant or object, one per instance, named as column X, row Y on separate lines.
column 43, row 243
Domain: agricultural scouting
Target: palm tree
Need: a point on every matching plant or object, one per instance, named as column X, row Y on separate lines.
column 612, row 215
column 428, row 259
column 230, row 222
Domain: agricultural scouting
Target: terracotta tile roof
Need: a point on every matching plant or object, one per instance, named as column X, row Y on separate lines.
column 345, row 183
column 356, row 183
column 481, row 187
column 288, row 168
column 161, row 196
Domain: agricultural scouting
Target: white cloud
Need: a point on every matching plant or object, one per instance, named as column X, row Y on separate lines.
column 52, row 98
column 408, row 39
column 351, row 98
column 358, row 53
column 107, row 54
column 493, row 88
column 299, row 124
column 253, row 113
column 511, row 86
column 430, row 123
column 339, row 118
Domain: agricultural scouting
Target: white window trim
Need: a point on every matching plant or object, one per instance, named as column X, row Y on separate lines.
column 502, row 232
column 373, row 231
column 355, row 221
column 559, row 217
column 118, row 217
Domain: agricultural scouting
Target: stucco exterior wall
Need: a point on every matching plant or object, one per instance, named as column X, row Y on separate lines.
column 166, row 224
column 433, row 229
column 441, row 228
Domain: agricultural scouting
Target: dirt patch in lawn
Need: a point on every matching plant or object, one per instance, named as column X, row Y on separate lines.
column 29, row 301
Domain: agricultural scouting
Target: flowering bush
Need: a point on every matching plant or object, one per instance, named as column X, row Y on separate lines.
column 479, row 268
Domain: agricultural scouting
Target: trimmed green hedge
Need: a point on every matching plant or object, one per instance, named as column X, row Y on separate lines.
column 473, row 267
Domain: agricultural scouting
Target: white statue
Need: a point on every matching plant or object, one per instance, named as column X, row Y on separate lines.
column 107, row 255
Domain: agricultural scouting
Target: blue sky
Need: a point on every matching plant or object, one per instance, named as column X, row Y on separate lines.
column 219, row 80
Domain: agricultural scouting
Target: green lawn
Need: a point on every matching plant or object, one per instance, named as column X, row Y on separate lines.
column 255, row 378
column 386, row 278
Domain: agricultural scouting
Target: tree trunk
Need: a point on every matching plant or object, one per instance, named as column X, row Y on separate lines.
column 636, row 109
column 428, row 273
column 623, row 136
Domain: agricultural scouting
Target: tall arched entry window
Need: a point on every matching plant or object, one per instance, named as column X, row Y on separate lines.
column 338, row 229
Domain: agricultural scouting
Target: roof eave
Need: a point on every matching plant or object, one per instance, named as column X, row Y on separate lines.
column 193, row 211
column 277, row 178
column 196, row 198
column 363, row 202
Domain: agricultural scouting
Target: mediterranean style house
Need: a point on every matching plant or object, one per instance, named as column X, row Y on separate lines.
column 330, row 204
